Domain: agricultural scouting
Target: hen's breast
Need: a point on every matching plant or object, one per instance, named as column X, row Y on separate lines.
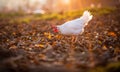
column 72, row 28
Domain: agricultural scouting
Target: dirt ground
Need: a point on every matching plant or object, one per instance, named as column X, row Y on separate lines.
column 34, row 47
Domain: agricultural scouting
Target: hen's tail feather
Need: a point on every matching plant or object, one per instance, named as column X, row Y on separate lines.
column 87, row 16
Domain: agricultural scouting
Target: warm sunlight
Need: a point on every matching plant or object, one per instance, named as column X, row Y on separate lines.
column 51, row 5
column 39, row 1
column 59, row 35
column 66, row 1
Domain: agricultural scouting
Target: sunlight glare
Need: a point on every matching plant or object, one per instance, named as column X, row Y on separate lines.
column 39, row 1
column 66, row 1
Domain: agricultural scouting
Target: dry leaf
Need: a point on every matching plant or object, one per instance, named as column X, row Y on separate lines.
column 117, row 51
column 112, row 34
column 13, row 47
column 42, row 56
column 99, row 42
column 39, row 45
column 69, row 65
column 13, row 33
column 49, row 36
column 45, row 33
column 58, row 36
column 104, row 47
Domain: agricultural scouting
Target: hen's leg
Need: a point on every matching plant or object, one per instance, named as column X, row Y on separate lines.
column 74, row 38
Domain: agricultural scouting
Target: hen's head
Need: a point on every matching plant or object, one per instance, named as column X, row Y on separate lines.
column 54, row 28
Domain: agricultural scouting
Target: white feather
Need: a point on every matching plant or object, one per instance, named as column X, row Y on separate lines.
column 76, row 26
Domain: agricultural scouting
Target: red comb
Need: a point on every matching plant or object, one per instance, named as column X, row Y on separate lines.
column 54, row 28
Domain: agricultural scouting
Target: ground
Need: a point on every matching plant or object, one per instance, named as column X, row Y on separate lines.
column 32, row 46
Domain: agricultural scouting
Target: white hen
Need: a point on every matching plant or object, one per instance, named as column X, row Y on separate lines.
column 74, row 27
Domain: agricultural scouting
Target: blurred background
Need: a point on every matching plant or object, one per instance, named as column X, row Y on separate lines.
column 42, row 6
column 28, row 43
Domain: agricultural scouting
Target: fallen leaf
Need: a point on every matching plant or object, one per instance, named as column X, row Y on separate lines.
column 14, row 33
column 13, row 47
column 99, row 42
column 45, row 33
column 58, row 36
column 112, row 34
column 49, row 36
column 104, row 47
column 39, row 45
column 69, row 65
column 42, row 56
